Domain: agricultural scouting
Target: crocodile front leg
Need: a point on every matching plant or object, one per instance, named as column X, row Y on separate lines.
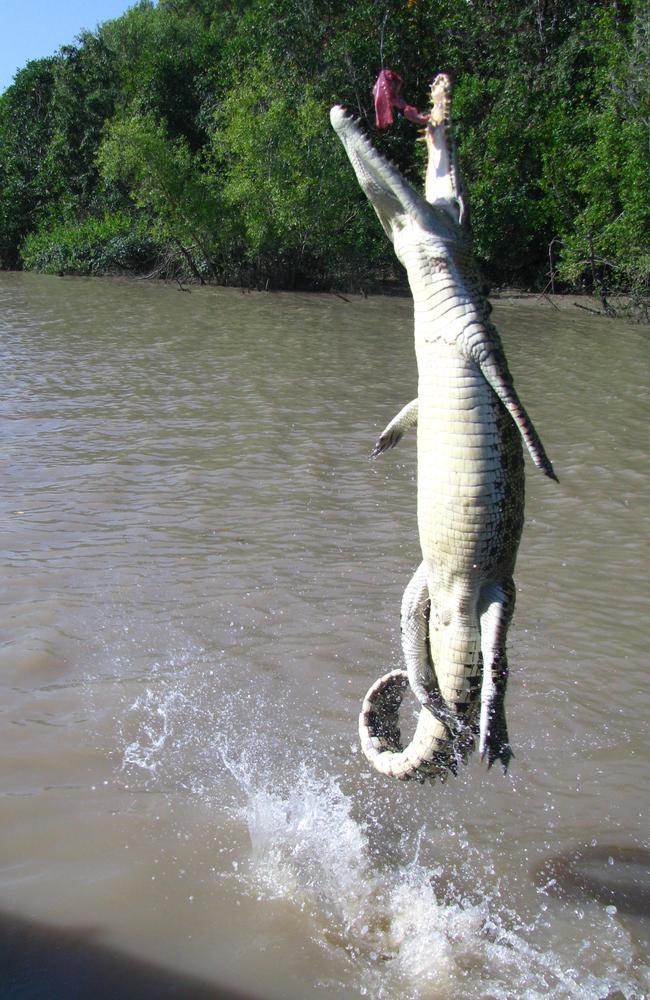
column 396, row 429
column 498, row 605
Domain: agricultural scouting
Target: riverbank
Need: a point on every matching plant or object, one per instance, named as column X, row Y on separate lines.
column 620, row 306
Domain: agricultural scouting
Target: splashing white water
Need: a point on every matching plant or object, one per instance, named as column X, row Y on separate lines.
column 156, row 716
column 388, row 927
column 389, row 924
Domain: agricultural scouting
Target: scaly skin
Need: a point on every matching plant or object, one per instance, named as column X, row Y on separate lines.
column 470, row 504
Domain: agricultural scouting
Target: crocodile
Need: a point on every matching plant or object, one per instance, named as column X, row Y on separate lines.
column 470, row 466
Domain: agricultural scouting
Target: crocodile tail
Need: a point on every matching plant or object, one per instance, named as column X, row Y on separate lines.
column 428, row 755
column 458, row 665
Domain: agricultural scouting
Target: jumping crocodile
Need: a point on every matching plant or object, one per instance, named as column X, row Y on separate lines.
column 470, row 480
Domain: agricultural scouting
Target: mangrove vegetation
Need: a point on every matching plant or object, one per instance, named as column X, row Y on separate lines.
column 191, row 139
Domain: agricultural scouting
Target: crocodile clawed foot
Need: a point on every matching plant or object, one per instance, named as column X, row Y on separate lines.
column 387, row 440
column 463, row 744
column 494, row 743
column 495, row 746
column 437, row 770
column 454, row 724
column 452, row 765
column 503, row 753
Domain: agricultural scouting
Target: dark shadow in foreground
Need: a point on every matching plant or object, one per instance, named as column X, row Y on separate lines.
column 42, row 962
column 614, row 876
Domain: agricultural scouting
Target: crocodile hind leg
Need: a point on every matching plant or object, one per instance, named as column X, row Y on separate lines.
column 414, row 625
column 432, row 751
column 414, row 622
column 497, row 605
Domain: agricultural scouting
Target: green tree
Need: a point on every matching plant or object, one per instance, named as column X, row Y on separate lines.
column 290, row 203
column 25, row 132
column 163, row 55
column 206, row 121
column 165, row 180
column 83, row 98
column 597, row 162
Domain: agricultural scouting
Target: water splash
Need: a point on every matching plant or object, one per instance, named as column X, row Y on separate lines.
column 399, row 928
column 155, row 728
column 389, row 927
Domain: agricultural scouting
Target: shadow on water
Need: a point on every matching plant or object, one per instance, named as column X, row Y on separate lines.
column 615, row 876
column 39, row 961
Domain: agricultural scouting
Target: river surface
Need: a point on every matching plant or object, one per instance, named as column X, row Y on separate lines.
column 202, row 574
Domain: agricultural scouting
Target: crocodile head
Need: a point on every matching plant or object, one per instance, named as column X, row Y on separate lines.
column 441, row 211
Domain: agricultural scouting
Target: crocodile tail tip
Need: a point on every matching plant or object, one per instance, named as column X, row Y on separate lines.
column 549, row 471
column 379, row 734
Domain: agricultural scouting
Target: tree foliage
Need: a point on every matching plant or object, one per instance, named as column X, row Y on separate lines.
column 113, row 243
column 25, row 135
column 165, row 181
column 204, row 123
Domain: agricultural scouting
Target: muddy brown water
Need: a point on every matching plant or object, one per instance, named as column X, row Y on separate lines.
column 202, row 574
